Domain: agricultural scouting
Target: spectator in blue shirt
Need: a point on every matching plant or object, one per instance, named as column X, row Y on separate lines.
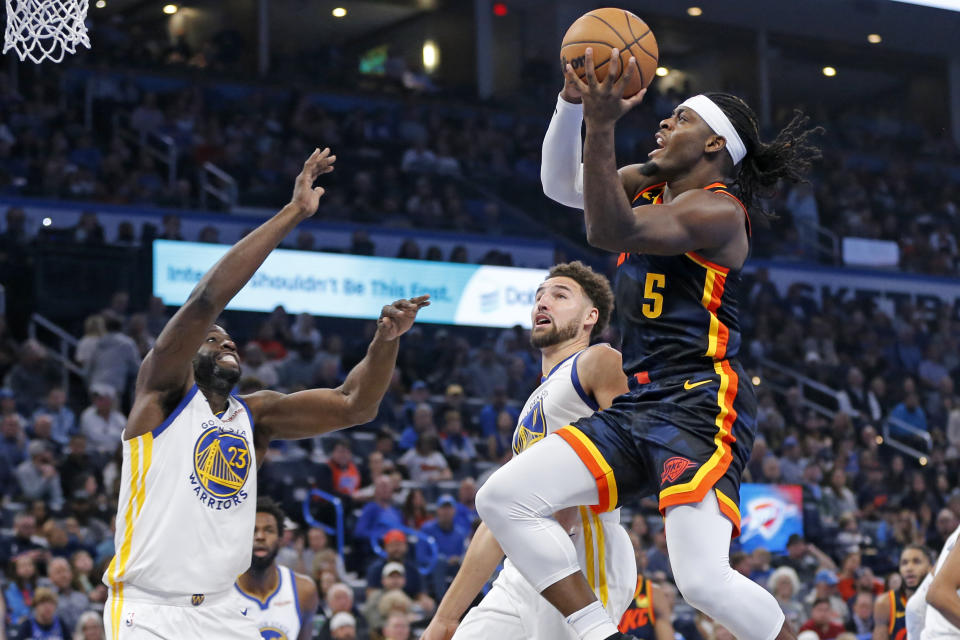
column 451, row 541
column 422, row 424
column 380, row 514
column 467, row 506
column 64, row 420
column 13, row 441
column 457, row 446
column 909, row 411
column 490, row 411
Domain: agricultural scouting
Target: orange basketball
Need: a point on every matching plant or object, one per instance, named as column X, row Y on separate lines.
column 604, row 29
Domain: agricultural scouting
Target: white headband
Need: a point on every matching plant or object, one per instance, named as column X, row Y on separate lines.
column 719, row 123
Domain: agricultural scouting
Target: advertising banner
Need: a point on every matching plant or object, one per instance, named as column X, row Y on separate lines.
column 347, row 286
column 770, row 514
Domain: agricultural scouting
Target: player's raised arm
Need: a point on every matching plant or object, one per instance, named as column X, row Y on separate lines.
column 167, row 369
column 309, row 413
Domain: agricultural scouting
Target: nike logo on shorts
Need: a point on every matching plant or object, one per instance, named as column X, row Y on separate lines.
column 688, row 385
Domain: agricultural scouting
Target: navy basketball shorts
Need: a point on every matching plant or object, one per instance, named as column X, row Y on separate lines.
column 675, row 437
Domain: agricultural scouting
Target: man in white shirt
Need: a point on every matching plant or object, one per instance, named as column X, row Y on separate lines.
column 101, row 423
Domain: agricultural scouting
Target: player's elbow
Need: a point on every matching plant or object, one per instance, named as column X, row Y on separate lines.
column 361, row 413
column 600, row 238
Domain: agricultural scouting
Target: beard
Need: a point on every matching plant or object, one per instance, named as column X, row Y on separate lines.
column 554, row 336
column 650, row 168
column 211, row 375
column 261, row 564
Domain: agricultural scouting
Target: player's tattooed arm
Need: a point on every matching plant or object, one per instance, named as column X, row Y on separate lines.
column 315, row 411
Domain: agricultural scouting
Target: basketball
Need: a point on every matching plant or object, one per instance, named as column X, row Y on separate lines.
column 604, row 29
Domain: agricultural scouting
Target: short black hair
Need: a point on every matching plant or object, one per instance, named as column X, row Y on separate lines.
column 267, row 505
column 922, row 548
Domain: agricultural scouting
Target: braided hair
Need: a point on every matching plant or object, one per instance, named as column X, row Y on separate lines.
column 788, row 157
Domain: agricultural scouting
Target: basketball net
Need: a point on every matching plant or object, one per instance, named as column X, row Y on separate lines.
column 45, row 29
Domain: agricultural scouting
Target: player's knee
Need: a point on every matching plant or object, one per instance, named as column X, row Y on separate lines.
column 701, row 585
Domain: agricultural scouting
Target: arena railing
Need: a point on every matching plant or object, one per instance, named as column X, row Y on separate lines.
column 61, row 353
column 313, row 522
column 156, row 145
column 227, row 193
column 809, row 386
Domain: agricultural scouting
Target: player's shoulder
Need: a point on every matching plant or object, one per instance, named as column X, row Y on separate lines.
column 597, row 358
column 306, row 587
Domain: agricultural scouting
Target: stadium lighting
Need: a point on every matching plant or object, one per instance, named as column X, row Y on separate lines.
column 756, row 381
column 101, row 4
column 922, row 460
column 694, row 12
column 879, row 439
column 662, row 71
column 874, row 38
column 170, row 9
column 339, row 12
column 829, row 72
column 431, row 56
column 49, row 221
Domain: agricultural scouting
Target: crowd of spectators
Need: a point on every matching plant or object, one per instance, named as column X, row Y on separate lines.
column 447, row 422
column 431, row 164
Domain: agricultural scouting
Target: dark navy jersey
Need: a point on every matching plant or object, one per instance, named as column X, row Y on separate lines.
column 897, row 626
column 675, row 313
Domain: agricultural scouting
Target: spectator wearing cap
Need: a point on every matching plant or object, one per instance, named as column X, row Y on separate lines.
column 451, row 541
column 380, row 514
column 101, row 423
column 822, row 620
column 396, row 548
column 785, row 587
column 63, row 420
column 456, row 445
column 825, row 588
column 343, row 471
column 37, row 477
column 792, row 461
column 115, row 358
column 343, row 626
column 393, row 578
column 419, row 394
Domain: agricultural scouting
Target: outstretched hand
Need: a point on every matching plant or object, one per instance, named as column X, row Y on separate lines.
column 397, row 318
column 603, row 101
column 306, row 197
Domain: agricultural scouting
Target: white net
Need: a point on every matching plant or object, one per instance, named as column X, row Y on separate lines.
column 45, row 29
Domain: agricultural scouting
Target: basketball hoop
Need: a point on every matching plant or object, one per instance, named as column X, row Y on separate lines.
column 45, row 29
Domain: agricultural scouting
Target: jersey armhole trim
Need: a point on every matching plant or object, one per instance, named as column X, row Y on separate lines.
column 296, row 596
column 575, row 379
column 176, row 412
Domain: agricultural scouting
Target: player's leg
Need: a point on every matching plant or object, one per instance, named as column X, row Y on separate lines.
column 503, row 613
column 698, row 542
column 517, row 503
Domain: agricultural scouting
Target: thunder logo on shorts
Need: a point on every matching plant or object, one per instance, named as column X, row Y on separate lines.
column 221, row 463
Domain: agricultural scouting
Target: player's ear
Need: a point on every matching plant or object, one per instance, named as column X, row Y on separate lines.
column 593, row 316
column 715, row 143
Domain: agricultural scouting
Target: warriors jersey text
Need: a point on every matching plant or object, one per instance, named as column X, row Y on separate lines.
column 187, row 501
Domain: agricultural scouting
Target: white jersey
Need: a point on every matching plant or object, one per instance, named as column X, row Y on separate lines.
column 561, row 400
column 936, row 627
column 279, row 615
column 187, row 506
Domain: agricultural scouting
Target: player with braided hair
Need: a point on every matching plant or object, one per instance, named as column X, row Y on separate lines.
column 685, row 429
